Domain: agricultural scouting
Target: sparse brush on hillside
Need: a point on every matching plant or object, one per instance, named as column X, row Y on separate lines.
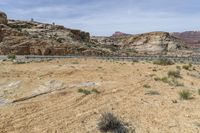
column 110, row 123
column 163, row 62
column 171, row 80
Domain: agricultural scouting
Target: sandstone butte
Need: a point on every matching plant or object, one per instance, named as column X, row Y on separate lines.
column 35, row 38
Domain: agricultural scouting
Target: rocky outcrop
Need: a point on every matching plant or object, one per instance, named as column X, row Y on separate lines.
column 118, row 33
column 3, row 18
column 155, row 42
column 191, row 38
column 27, row 37
column 30, row 37
column 148, row 43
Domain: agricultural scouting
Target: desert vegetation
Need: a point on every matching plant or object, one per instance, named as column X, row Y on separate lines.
column 110, row 123
column 185, row 95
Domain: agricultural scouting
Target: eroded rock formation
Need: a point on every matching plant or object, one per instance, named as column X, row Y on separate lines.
column 30, row 37
column 148, row 43
column 191, row 38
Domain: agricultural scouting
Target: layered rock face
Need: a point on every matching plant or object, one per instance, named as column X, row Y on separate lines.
column 191, row 38
column 27, row 37
column 155, row 42
column 3, row 18
column 148, row 43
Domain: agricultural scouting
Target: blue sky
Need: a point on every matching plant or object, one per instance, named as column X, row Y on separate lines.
column 103, row 17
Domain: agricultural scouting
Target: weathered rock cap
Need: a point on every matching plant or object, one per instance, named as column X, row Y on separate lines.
column 3, row 18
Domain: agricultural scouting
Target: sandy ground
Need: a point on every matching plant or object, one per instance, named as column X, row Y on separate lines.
column 122, row 92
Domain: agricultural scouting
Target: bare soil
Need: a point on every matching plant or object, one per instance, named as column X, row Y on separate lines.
column 127, row 89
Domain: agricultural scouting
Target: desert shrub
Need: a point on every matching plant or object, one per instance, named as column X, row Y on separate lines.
column 95, row 91
column 146, row 86
column 171, row 81
column 187, row 67
column 185, row 95
column 199, row 91
column 163, row 79
column 175, row 74
column 110, row 123
column 178, row 67
column 152, row 93
column 11, row 56
column 84, row 91
column 174, row 82
column 163, row 62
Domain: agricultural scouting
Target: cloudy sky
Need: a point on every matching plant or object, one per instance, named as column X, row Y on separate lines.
column 103, row 17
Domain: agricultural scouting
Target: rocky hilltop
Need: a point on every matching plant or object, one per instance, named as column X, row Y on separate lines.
column 30, row 37
column 118, row 33
column 147, row 43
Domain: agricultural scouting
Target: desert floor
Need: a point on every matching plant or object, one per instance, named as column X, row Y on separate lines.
column 127, row 89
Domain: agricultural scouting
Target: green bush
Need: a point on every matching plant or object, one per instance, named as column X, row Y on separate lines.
column 199, row 91
column 86, row 92
column 185, row 95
